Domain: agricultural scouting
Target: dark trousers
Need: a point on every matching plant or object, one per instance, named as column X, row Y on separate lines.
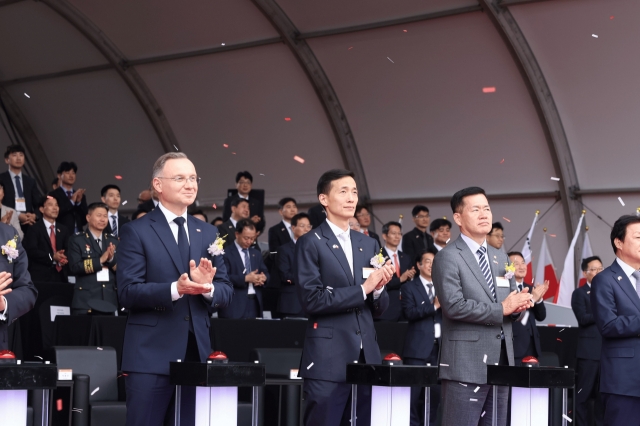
column 587, row 388
column 252, row 309
column 417, row 414
column 329, row 404
column 621, row 410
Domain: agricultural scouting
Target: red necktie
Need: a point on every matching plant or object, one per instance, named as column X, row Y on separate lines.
column 395, row 262
column 52, row 237
column 366, row 232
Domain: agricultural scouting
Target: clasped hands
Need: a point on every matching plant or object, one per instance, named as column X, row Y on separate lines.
column 379, row 278
column 5, row 280
column 255, row 278
column 199, row 280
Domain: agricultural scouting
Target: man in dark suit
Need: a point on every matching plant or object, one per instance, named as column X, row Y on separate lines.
column 239, row 211
column 440, row 230
column 421, row 344
column 615, row 303
column 364, row 219
column 317, row 215
column 588, row 349
column 288, row 302
column 281, row 232
column 341, row 295
column 526, row 338
column 20, row 191
column 92, row 260
column 17, row 292
column 46, row 245
column 247, row 274
column 244, row 184
column 110, row 195
column 169, row 298
column 72, row 203
column 402, row 265
column 418, row 239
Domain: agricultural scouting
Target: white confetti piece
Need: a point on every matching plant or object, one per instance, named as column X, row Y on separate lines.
column 390, row 60
column 310, row 365
column 473, row 400
column 27, row 96
column 476, row 389
column 317, row 235
column 482, row 415
column 95, row 390
column 567, row 418
column 444, row 365
column 556, row 179
column 484, row 359
column 594, row 35
column 244, row 270
column 38, row 356
column 580, row 390
column 463, row 384
column 222, row 44
column 561, row 331
column 176, row 148
column 262, row 174
column 298, row 159
column 621, row 202
column 77, row 410
column 124, row 202
column 99, row 348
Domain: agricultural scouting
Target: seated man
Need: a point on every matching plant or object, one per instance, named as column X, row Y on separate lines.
column 364, row 219
column 92, row 259
column 281, row 232
column 288, row 302
column 247, row 274
column 239, row 211
column 418, row 239
column 45, row 245
column 440, row 230
column 244, row 185
column 392, row 234
column 495, row 238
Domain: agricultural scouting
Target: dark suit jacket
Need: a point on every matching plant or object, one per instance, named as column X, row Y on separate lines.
column 236, row 272
column 522, row 334
column 148, row 262
column 256, row 207
column 340, row 318
column 32, row 195
column 317, row 215
column 278, row 235
column 228, row 231
column 589, row 338
column 374, row 236
column 413, row 242
column 38, row 247
column 616, row 309
column 421, row 314
column 121, row 221
column 394, row 311
column 288, row 302
column 83, row 253
column 70, row 215
column 147, row 206
column 23, row 295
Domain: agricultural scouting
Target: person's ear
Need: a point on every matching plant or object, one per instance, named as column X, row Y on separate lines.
column 323, row 200
column 457, row 217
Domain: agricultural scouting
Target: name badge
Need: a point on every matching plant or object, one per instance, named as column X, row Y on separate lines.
column 366, row 272
column 21, row 205
column 103, row 276
column 502, row 282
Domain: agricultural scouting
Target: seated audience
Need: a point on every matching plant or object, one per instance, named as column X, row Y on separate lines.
column 364, row 219
column 21, row 191
column 281, row 232
column 72, row 203
column 110, row 196
column 46, row 244
column 9, row 215
column 418, row 239
column 440, row 230
column 392, row 234
column 495, row 238
column 288, row 302
column 244, row 184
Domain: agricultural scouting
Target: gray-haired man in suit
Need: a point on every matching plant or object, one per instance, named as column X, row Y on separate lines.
column 478, row 304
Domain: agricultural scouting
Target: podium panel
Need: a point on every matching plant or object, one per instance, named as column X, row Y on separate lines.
column 387, row 400
column 526, row 406
column 217, row 405
column 15, row 380
column 9, row 401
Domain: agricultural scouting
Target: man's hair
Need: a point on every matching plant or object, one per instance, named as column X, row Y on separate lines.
column 12, row 149
column 137, row 213
column 585, row 262
column 359, row 208
column 619, row 230
column 200, row 212
column 286, row 200
column 418, row 258
column 244, row 223
column 457, row 201
column 296, row 218
column 217, row 218
column 65, row 166
column 386, row 226
column 55, row 181
column 515, row 253
column 245, row 175
column 324, row 183
column 236, row 201
column 496, row 225
column 103, row 191
column 41, row 202
column 94, row 206
column 438, row 223
column 418, row 209
column 158, row 166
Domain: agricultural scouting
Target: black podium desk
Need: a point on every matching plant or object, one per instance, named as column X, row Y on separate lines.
column 15, row 381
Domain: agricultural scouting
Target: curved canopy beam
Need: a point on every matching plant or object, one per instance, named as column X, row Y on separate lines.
column 322, row 86
column 119, row 63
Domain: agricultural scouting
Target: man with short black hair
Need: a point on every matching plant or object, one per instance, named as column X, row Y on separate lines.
column 288, row 303
column 440, row 230
column 404, row 270
column 72, row 203
column 9, row 215
column 418, row 239
column 217, row 221
column 110, row 195
column 21, row 191
column 495, row 238
column 244, row 185
column 239, row 211
column 199, row 214
column 589, row 347
column 281, row 232
column 364, row 219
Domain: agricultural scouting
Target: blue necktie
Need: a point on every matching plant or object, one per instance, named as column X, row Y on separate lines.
column 183, row 244
column 114, row 226
column 486, row 271
column 19, row 187
column 247, row 261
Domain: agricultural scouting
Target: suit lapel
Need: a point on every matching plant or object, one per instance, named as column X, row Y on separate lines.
column 421, row 289
column 625, row 284
column 195, row 239
column 161, row 227
column 359, row 260
column 471, row 261
column 493, row 264
column 234, row 257
column 336, row 248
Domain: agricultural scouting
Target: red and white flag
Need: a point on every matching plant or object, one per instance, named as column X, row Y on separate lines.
column 546, row 271
column 586, row 252
column 568, row 278
column 526, row 250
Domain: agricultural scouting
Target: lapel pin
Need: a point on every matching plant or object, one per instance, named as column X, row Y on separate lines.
column 335, row 246
column 494, row 257
column 619, row 278
column 360, row 248
column 495, row 262
column 588, row 292
column 57, row 230
column 282, row 229
column 197, row 230
column 417, row 236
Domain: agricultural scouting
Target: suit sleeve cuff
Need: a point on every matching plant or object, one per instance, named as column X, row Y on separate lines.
column 3, row 315
column 174, row 291
column 377, row 293
column 540, row 301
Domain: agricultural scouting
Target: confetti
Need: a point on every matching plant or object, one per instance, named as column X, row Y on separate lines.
column 404, row 31
column 594, row 35
column 552, row 235
column 482, row 415
column 350, row 48
column 390, row 60
column 473, row 400
column 99, row 348
column 38, row 356
column 225, row 145
column 561, row 331
column 27, row 95
column 476, row 389
column 558, row 339
column 176, row 148
column 556, row 179
column 310, row 365
column 567, row 418
column 287, row 119
column 59, row 404
column 262, row 174
column 489, row 89
column 233, row 153
column 95, row 390
column 124, row 202
column 444, row 365
column 502, row 162
column 484, row 359
column 77, row 410
column 621, row 202
column 580, row 390
column 222, row 44
column 611, row 17
column 463, row 384
column 214, row 206
column 506, row 219
column 118, row 177
column 317, row 235
column 298, row 159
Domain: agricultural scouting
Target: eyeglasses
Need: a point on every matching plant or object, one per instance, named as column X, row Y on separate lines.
column 595, row 270
column 498, row 236
column 302, row 226
column 363, row 215
column 425, row 216
column 182, row 179
column 395, row 234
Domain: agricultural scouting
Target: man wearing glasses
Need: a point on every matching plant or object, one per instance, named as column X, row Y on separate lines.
column 495, row 238
column 364, row 219
column 418, row 239
column 588, row 350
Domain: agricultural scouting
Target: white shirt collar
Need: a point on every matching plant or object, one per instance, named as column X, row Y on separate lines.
column 473, row 245
column 628, row 270
column 588, row 283
column 239, row 247
column 48, row 224
column 287, row 224
column 246, row 197
column 424, row 280
column 337, row 231
column 438, row 247
column 391, row 252
column 13, row 175
column 170, row 215
column 113, row 215
column 233, row 221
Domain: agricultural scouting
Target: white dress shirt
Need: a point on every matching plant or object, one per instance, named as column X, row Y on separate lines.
column 473, row 246
column 250, row 289
column 391, row 253
column 424, row 281
column 437, row 247
column 288, row 226
column 525, row 315
column 628, row 270
column 13, row 181
column 233, row 222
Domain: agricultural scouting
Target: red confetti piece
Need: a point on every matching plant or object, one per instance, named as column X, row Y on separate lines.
column 611, row 17
column 233, row 153
column 502, row 162
column 488, row 90
column 350, row 48
column 552, row 235
column 404, row 31
column 214, row 206
column 118, row 177
column 50, row 197
column 298, row 159
column 287, row 119
column 59, row 404
column 225, row 145
column 506, row 219
column 559, row 340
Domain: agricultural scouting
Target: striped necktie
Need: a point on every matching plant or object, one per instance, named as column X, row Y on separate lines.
column 486, row 271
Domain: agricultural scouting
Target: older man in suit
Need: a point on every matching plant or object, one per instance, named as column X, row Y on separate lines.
column 341, row 294
column 478, row 305
column 615, row 300
column 171, row 284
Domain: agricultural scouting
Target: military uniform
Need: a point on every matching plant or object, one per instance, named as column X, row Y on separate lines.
column 84, row 253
